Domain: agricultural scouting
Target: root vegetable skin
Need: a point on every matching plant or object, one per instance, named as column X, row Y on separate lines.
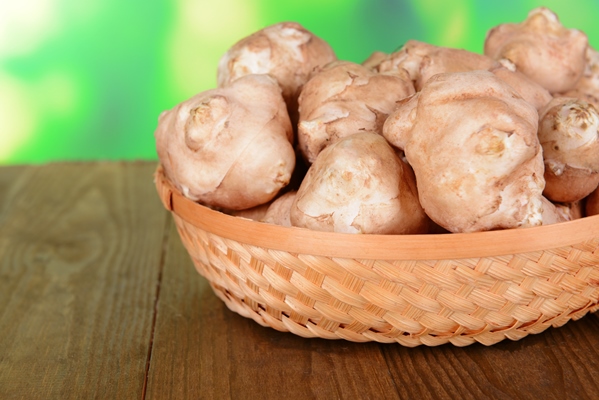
column 587, row 88
column 589, row 82
column 568, row 133
column 255, row 213
column 553, row 214
column 287, row 51
column 278, row 212
column 293, row 136
column 571, row 211
column 220, row 149
column 474, row 173
column 359, row 185
column 375, row 59
column 344, row 98
column 422, row 61
column 541, row 48
column 530, row 91
column 581, row 95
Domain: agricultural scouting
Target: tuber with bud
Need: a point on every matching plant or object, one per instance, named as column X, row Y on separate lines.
column 541, row 48
column 287, row 51
column 472, row 142
column 424, row 139
column 568, row 132
column 359, row 185
column 220, row 149
column 344, row 98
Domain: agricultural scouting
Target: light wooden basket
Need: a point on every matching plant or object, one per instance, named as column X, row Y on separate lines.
column 410, row 289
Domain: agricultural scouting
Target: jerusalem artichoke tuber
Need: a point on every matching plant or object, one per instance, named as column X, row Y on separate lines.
column 286, row 50
column 568, row 133
column 344, row 98
column 541, row 48
column 359, row 185
column 229, row 147
column 472, row 142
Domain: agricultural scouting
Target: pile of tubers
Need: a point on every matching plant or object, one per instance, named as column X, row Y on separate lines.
column 426, row 139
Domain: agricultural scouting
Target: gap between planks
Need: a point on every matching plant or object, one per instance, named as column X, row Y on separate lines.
column 165, row 240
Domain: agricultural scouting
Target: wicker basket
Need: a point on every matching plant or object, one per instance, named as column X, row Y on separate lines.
column 411, row 289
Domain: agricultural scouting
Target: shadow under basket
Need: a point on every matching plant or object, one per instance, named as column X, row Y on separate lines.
column 408, row 289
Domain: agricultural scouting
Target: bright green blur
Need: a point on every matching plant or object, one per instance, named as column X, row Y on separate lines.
column 86, row 80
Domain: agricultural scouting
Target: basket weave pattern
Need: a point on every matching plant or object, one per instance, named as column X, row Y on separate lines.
column 412, row 302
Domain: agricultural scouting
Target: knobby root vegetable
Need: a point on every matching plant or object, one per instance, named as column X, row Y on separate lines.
column 286, row 50
column 530, row 91
column 498, row 140
column 554, row 213
column 541, row 48
column 580, row 95
column 587, row 88
column 229, row 147
column 568, row 133
column 359, row 185
column 344, row 98
column 278, row 212
column 571, row 211
column 589, row 82
column 374, row 59
column 254, row 213
column 472, row 142
column 422, row 61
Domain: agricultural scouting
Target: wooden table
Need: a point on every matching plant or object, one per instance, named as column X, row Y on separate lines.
column 98, row 299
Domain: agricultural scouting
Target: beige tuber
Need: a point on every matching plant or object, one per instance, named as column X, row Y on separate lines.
column 229, row 147
column 589, row 82
column 554, row 213
column 359, row 185
column 424, row 139
column 423, row 60
column 587, row 88
column 254, row 213
column 530, row 91
column 541, row 48
column 374, row 59
column 286, row 50
column 344, row 98
column 571, row 211
column 568, row 132
column 472, row 142
column 279, row 211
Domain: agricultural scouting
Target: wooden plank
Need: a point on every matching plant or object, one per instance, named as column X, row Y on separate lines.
column 9, row 176
column 80, row 251
column 203, row 350
column 83, row 284
column 559, row 363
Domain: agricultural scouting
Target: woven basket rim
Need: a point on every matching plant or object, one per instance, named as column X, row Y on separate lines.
column 371, row 246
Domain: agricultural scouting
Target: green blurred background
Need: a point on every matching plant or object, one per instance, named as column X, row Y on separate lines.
column 86, row 80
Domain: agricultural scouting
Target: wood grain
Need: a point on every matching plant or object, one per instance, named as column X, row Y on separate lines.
column 549, row 365
column 99, row 299
column 80, row 248
column 203, row 350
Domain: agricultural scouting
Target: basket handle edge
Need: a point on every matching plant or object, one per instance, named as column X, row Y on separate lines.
column 164, row 190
